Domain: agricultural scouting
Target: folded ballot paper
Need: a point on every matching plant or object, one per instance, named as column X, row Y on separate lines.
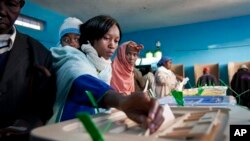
column 168, row 119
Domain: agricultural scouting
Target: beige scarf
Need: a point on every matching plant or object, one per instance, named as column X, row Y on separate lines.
column 99, row 62
column 102, row 65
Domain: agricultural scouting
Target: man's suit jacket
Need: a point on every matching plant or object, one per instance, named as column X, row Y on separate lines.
column 27, row 86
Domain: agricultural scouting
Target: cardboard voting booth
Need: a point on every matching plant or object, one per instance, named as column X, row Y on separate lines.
column 233, row 67
column 198, row 70
column 178, row 69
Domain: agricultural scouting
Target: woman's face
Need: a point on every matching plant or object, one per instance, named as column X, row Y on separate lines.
column 107, row 45
column 131, row 55
column 168, row 64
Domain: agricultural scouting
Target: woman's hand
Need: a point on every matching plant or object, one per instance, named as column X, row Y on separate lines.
column 143, row 110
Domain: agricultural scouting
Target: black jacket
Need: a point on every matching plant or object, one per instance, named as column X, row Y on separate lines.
column 207, row 79
column 241, row 84
column 27, row 86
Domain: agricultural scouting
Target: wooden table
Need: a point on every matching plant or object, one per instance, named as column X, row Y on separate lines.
column 73, row 130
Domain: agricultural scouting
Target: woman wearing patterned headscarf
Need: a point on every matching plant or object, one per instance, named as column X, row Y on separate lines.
column 123, row 67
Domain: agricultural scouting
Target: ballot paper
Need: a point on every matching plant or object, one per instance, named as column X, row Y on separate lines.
column 168, row 119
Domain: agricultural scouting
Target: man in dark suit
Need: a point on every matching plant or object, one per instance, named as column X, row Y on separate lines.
column 27, row 84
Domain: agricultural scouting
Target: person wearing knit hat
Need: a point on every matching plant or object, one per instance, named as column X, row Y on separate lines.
column 69, row 32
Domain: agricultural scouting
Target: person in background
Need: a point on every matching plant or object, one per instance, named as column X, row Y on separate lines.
column 207, row 79
column 139, row 81
column 27, row 82
column 240, row 84
column 123, row 73
column 69, row 32
column 165, row 79
column 150, row 77
column 89, row 70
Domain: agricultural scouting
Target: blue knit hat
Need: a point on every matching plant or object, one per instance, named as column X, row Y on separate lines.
column 70, row 25
column 163, row 60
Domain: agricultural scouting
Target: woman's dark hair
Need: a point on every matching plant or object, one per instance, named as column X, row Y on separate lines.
column 96, row 27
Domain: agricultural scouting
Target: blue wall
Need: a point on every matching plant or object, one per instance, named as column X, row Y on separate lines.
column 219, row 41
column 52, row 20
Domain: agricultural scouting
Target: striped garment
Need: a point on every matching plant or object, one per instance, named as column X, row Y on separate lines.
column 4, row 51
column 4, row 43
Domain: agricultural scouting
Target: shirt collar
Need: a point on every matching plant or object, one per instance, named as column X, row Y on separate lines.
column 12, row 37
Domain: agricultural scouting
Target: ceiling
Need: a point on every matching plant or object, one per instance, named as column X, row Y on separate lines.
column 136, row 15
